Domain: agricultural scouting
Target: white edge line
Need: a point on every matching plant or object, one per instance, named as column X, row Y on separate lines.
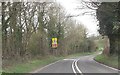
column 107, row 66
column 44, row 67
column 73, row 67
column 77, row 66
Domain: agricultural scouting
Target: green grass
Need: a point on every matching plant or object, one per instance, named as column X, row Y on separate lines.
column 111, row 61
column 31, row 65
column 38, row 63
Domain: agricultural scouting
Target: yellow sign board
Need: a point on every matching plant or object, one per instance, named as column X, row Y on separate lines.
column 54, row 43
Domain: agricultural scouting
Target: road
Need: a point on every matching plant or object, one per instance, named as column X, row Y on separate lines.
column 84, row 65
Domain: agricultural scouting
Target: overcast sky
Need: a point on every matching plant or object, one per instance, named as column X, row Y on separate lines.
column 88, row 20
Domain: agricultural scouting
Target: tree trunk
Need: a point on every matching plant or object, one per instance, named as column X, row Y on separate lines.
column 4, row 31
column 114, row 44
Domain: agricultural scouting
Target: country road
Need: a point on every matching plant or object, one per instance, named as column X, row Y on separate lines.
column 84, row 65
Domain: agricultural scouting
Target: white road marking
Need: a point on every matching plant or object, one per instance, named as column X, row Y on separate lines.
column 68, row 59
column 73, row 67
column 76, row 66
column 107, row 66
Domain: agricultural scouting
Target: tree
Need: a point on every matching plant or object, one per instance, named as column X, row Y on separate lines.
column 107, row 16
column 27, row 30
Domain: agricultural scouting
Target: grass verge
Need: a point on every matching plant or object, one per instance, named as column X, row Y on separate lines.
column 31, row 65
column 111, row 61
column 38, row 63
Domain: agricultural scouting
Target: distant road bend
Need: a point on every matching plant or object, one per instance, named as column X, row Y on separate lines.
column 84, row 65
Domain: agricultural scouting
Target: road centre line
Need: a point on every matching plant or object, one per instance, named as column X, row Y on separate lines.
column 73, row 68
column 77, row 66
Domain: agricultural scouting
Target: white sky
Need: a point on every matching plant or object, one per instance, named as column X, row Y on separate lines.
column 88, row 21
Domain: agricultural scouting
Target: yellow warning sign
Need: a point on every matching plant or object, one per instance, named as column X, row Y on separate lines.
column 54, row 43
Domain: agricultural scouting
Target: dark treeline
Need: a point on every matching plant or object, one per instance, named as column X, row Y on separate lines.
column 27, row 30
column 108, row 16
